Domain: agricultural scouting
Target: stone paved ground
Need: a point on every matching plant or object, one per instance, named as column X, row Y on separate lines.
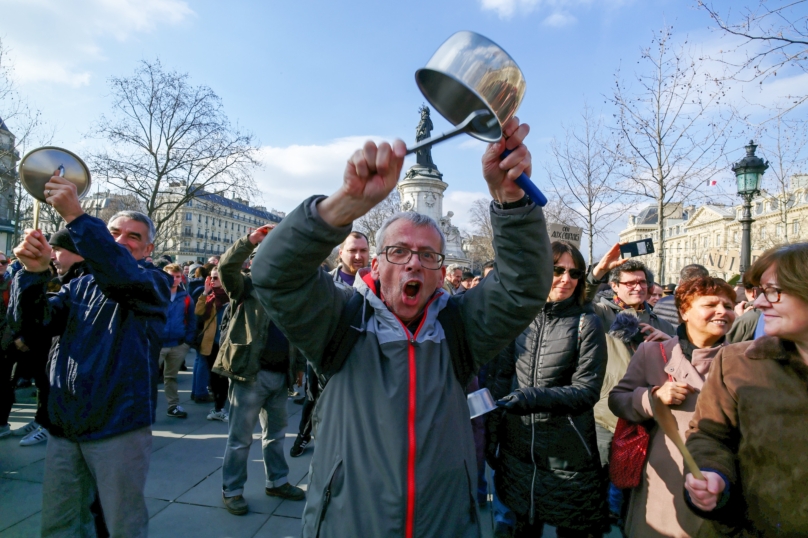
column 183, row 490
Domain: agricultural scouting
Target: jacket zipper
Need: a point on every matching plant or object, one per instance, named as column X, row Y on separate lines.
column 581, row 437
column 533, row 421
column 327, row 496
column 409, row 522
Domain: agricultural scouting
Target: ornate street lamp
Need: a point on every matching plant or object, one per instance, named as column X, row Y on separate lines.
column 749, row 175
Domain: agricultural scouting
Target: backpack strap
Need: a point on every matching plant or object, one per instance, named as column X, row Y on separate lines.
column 459, row 349
column 187, row 307
column 351, row 324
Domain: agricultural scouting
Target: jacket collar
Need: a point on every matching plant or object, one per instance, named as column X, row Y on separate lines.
column 770, row 347
column 684, row 371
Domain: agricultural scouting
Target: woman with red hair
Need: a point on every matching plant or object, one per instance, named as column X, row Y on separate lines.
column 673, row 372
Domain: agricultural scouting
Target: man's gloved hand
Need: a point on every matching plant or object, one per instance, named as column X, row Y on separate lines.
column 515, row 402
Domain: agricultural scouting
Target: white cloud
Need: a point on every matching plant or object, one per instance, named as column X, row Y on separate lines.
column 459, row 203
column 559, row 19
column 293, row 173
column 473, row 144
column 41, row 54
column 560, row 9
column 507, row 8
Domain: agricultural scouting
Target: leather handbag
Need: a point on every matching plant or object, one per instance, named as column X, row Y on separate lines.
column 630, row 449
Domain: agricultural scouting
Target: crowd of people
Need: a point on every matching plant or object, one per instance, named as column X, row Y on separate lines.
column 388, row 345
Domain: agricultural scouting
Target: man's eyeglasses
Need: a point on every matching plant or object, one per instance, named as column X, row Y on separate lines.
column 635, row 284
column 772, row 294
column 401, row 256
column 4, row 262
column 574, row 273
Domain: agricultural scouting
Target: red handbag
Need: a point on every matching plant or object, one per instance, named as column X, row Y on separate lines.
column 630, row 449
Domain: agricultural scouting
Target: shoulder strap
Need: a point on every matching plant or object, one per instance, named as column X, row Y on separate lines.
column 459, row 349
column 664, row 358
column 350, row 325
column 187, row 307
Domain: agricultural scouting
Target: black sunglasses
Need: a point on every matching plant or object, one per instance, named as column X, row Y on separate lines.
column 574, row 273
column 4, row 262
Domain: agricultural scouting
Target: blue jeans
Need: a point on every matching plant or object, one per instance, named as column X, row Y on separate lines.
column 264, row 398
column 201, row 377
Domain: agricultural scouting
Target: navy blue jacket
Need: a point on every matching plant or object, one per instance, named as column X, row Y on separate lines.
column 180, row 327
column 103, row 380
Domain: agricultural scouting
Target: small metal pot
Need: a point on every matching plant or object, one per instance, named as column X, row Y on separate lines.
column 469, row 72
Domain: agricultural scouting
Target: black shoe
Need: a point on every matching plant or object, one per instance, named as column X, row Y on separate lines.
column 235, row 505
column 503, row 530
column 287, row 491
column 300, row 400
column 299, row 447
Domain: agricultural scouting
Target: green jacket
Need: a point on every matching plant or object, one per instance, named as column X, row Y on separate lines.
column 395, row 450
column 744, row 327
column 241, row 348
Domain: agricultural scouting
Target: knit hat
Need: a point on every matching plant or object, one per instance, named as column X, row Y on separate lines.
column 63, row 240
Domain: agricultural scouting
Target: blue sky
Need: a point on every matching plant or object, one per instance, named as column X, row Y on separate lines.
column 313, row 79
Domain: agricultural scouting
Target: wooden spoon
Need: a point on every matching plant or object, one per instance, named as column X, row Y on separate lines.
column 666, row 421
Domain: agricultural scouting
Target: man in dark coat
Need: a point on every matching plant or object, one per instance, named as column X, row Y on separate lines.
column 103, row 378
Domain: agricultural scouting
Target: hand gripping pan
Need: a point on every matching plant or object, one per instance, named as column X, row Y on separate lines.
column 473, row 83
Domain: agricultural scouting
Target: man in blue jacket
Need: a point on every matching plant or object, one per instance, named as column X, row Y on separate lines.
column 103, row 377
column 177, row 337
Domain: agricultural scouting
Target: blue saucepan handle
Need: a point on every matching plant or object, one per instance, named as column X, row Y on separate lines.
column 528, row 186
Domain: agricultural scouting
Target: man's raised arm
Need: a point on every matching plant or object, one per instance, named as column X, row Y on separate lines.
column 300, row 298
column 511, row 296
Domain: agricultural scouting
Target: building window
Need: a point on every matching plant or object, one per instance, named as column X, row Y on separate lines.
column 759, row 208
column 773, row 205
column 735, row 237
column 200, row 218
column 189, row 216
column 706, row 242
column 778, row 230
column 763, row 232
column 795, row 228
column 718, row 240
column 190, row 203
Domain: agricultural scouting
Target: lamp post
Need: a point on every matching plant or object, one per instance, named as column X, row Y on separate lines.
column 748, row 174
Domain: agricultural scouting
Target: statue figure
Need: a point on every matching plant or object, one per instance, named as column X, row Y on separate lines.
column 422, row 132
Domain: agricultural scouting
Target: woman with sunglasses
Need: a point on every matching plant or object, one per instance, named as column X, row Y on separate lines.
column 548, row 469
column 672, row 372
column 210, row 310
column 750, row 430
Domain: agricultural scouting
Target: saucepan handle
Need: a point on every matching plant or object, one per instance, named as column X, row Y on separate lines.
column 528, row 186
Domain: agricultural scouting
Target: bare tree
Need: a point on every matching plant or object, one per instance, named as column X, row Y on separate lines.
column 169, row 142
column 774, row 38
column 583, row 176
column 673, row 134
column 372, row 221
column 26, row 129
column 784, row 143
column 479, row 244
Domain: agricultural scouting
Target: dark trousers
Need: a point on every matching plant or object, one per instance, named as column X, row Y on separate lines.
column 312, row 394
column 6, row 389
column 218, row 383
column 525, row 530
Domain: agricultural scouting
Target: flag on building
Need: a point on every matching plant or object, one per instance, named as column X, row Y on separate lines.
column 712, row 182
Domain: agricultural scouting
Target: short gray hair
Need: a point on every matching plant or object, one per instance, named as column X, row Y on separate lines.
column 452, row 268
column 691, row 271
column 137, row 216
column 418, row 220
column 629, row 267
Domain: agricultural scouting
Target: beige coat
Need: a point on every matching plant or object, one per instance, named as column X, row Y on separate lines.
column 209, row 326
column 657, row 506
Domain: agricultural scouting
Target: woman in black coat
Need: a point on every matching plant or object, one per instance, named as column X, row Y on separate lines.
column 547, row 468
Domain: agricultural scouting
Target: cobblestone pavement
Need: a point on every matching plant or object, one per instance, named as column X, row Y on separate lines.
column 183, row 490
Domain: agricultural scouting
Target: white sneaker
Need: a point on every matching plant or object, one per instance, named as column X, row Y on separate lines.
column 35, row 437
column 25, row 430
column 218, row 415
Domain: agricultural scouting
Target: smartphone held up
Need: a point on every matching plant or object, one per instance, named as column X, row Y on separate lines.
column 637, row 248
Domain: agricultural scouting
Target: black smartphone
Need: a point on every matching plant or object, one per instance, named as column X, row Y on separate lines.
column 637, row 248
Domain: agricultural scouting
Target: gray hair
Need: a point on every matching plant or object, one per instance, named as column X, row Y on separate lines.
column 417, row 220
column 693, row 270
column 452, row 268
column 137, row 216
column 629, row 267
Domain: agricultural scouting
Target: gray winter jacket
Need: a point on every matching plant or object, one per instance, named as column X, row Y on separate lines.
column 395, row 454
column 666, row 309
